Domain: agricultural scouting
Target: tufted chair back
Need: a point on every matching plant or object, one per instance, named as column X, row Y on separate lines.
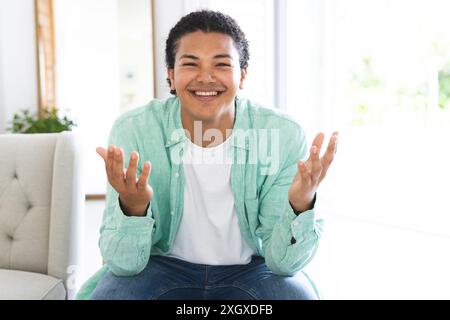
column 41, row 201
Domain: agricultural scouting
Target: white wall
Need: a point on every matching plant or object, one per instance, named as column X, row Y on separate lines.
column 103, row 68
column 18, row 87
column 2, row 107
column 166, row 15
column 135, row 53
column 18, row 72
column 87, row 72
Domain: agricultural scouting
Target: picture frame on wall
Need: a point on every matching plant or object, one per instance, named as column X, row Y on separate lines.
column 45, row 47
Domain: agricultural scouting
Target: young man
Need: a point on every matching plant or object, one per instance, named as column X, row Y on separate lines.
column 227, row 210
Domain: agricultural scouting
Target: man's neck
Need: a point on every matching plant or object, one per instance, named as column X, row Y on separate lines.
column 209, row 133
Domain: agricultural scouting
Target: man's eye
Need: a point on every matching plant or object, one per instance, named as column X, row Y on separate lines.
column 189, row 64
column 223, row 65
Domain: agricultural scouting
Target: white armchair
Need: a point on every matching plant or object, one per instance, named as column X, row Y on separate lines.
column 41, row 205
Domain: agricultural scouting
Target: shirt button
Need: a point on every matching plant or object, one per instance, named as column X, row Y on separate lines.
column 172, row 213
column 295, row 223
column 177, row 175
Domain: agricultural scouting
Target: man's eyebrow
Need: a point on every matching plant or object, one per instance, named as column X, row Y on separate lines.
column 189, row 56
column 220, row 56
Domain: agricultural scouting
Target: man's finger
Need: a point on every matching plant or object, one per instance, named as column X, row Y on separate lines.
column 110, row 161
column 305, row 174
column 318, row 140
column 335, row 137
column 331, row 150
column 102, row 152
column 118, row 171
column 131, row 170
column 329, row 154
column 145, row 173
column 316, row 165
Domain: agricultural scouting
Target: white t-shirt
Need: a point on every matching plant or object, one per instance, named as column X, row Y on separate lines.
column 209, row 231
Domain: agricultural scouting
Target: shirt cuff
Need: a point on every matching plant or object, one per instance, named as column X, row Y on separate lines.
column 296, row 225
column 310, row 208
column 126, row 222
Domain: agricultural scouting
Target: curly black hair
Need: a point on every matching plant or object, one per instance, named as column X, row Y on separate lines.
column 206, row 21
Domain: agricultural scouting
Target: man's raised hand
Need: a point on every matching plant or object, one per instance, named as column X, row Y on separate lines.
column 134, row 193
column 311, row 173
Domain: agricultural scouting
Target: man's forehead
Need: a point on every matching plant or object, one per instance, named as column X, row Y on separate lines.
column 211, row 44
column 217, row 56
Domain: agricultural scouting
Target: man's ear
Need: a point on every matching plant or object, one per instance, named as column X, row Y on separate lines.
column 171, row 79
column 243, row 76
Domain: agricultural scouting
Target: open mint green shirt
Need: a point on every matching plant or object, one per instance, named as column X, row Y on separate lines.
column 260, row 180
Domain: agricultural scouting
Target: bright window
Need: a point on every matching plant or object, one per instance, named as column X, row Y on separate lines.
column 378, row 71
column 103, row 68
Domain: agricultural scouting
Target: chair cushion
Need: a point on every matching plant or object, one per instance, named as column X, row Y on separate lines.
column 22, row 285
column 26, row 194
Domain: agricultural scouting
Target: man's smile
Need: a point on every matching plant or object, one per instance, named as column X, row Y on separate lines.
column 209, row 95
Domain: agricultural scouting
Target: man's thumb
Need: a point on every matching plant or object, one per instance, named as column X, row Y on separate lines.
column 102, row 152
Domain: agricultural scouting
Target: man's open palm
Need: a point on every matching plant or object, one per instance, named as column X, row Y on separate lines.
column 311, row 173
column 135, row 193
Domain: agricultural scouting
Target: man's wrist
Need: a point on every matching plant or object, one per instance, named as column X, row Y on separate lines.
column 138, row 211
column 302, row 208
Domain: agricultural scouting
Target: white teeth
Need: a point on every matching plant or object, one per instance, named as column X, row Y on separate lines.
column 206, row 93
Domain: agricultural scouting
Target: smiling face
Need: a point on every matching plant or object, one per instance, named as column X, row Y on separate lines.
column 206, row 76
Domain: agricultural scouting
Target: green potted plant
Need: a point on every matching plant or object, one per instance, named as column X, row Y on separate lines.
column 23, row 122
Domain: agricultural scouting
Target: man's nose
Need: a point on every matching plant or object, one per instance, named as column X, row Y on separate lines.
column 206, row 75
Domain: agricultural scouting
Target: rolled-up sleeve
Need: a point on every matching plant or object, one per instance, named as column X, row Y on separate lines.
column 289, row 241
column 125, row 241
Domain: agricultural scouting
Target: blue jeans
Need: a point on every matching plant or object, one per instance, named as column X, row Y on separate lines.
column 167, row 278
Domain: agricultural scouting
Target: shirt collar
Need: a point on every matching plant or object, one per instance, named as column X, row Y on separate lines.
column 176, row 130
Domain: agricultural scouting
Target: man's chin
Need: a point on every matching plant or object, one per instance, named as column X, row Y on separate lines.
column 205, row 116
column 205, row 112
